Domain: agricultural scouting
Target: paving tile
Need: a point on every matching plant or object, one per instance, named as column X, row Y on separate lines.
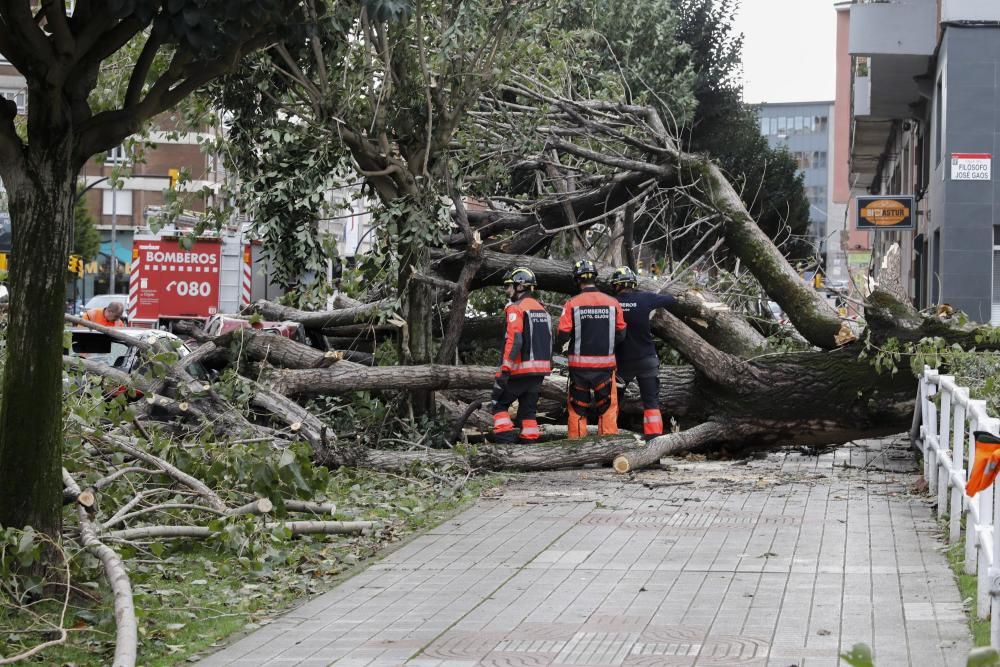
column 790, row 562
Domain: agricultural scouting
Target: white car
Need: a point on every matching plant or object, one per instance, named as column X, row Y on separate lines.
column 98, row 346
column 102, row 300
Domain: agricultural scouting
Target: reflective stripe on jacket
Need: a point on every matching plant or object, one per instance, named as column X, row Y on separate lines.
column 594, row 322
column 527, row 348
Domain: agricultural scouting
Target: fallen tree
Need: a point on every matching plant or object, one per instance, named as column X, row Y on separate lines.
column 732, row 390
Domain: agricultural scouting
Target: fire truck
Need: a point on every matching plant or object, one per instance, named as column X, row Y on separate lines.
column 177, row 277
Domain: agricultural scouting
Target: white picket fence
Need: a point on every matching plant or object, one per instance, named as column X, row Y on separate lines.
column 946, row 439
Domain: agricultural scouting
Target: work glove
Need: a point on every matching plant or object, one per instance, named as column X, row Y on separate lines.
column 500, row 384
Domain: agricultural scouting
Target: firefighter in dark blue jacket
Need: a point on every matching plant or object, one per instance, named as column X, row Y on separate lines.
column 526, row 358
column 636, row 355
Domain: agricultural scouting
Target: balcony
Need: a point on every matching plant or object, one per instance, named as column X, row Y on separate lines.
column 898, row 38
column 957, row 11
column 892, row 43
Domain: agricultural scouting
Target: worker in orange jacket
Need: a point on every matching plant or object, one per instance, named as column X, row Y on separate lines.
column 593, row 324
column 526, row 359
column 109, row 316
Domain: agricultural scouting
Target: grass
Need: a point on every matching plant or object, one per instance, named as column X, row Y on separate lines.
column 967, row 590
column 194, row 595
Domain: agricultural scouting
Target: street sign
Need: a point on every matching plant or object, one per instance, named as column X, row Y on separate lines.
column 888, row 212
column 971, row 166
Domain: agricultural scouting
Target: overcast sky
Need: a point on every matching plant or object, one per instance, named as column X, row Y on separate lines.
column 788, row 49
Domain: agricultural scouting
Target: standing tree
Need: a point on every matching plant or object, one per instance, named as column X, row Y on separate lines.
column 388, row 88
column 166, row 51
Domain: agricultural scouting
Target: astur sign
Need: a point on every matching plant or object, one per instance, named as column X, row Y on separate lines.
column 971, row 166
column 885, row 212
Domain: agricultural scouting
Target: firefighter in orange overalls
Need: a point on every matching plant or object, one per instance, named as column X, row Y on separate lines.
column 527, row 358
column 593, row 323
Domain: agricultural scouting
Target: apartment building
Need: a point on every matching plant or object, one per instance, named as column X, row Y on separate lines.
column 803, row 128
column 924, row 89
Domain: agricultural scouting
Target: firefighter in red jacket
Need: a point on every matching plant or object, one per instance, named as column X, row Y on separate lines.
column 593, row 323
column 527, row 358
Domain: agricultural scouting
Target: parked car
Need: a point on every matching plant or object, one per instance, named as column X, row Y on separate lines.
column 220, row 324
column 98, row 346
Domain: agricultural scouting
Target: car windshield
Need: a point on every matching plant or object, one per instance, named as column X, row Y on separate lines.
column 98, row 347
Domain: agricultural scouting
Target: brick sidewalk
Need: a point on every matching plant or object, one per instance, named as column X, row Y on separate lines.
column 781, row 561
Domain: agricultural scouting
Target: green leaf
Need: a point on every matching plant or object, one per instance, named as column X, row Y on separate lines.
column 860, row 655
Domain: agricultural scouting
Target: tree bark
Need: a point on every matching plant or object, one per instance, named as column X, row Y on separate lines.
column 346, row 377
column 319, row 320
column 41, row 206
column 277, row 350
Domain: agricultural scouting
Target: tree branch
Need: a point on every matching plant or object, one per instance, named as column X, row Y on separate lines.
column 55, row 20
column 142, row 65
column 26, row 41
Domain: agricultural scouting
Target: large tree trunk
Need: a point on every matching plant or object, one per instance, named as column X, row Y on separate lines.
column 814, row 318
column 41, row 206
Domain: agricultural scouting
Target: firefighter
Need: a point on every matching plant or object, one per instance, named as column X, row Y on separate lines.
column 593, row 324
column 526, row 360
column 109, row 316
column 636, row 355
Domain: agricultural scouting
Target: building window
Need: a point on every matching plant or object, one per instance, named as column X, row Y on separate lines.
column 765, row 124
column 18, row 97
column 938, row 122
column 116, row 202
column 117, row 155
column 774, row 126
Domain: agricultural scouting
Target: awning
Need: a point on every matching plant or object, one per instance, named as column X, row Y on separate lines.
column 124, row 251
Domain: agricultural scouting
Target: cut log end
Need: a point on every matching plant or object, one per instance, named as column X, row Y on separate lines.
column 86, row 498
column 622, row 465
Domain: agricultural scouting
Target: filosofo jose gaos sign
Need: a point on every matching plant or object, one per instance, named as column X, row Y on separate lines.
column 888, row 212
column 971, row 166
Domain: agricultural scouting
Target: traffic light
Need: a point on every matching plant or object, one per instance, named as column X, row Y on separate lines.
column 175, row 177
column 76, row 265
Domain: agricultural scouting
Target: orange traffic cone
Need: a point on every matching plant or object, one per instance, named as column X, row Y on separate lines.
column 987, row 463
